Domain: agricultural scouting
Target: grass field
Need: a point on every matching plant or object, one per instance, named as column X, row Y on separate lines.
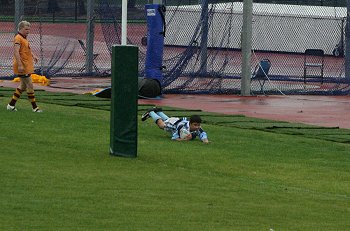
column 56, row 173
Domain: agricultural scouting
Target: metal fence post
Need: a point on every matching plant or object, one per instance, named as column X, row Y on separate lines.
column 347, row 42
column 19, row 12
column 246, row 46
column 90, row 36
column 204, row 37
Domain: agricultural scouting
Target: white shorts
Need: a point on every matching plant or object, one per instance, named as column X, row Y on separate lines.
column 171, row 124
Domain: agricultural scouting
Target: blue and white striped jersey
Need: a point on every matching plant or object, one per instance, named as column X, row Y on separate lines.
column 174, row 125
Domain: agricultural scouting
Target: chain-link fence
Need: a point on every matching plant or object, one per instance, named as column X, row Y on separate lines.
column 56, row 28
column 202, row 52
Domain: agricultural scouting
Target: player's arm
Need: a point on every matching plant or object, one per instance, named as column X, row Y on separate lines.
column 35, row 58
column 176, row 136
column 17, row 46
column 203, row 136
column 185, row 139
column 179, row 139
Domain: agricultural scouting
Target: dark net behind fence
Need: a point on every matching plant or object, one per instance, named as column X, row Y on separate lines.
column 202, row 52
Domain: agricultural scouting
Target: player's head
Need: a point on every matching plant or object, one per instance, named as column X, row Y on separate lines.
column 195, row 122
column 24, row 28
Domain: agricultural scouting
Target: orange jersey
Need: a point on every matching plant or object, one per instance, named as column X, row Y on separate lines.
column 25, row 54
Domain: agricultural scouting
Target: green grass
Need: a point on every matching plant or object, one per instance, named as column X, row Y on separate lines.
column 56, row 173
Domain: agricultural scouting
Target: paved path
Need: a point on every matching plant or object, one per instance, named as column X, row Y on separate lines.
column 328, row 111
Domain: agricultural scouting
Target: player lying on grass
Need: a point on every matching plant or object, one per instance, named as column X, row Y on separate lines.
column 181, row 129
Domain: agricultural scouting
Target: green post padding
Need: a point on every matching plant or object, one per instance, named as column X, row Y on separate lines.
column 124, row 101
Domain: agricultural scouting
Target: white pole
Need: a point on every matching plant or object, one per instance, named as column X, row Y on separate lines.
column 124, row 21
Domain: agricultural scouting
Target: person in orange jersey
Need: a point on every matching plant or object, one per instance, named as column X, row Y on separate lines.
column 23, row 67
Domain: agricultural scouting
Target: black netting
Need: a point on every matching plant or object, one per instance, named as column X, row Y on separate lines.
column 202, row 52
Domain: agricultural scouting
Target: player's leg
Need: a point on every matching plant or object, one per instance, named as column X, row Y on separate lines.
column 16, row 95
column 162, row 115
column 152, row 113
column 146, row 115
column 157, row 119
column 160, row 123
column 31, row 95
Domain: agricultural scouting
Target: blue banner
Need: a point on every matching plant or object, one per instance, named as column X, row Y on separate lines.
column 155, row 41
